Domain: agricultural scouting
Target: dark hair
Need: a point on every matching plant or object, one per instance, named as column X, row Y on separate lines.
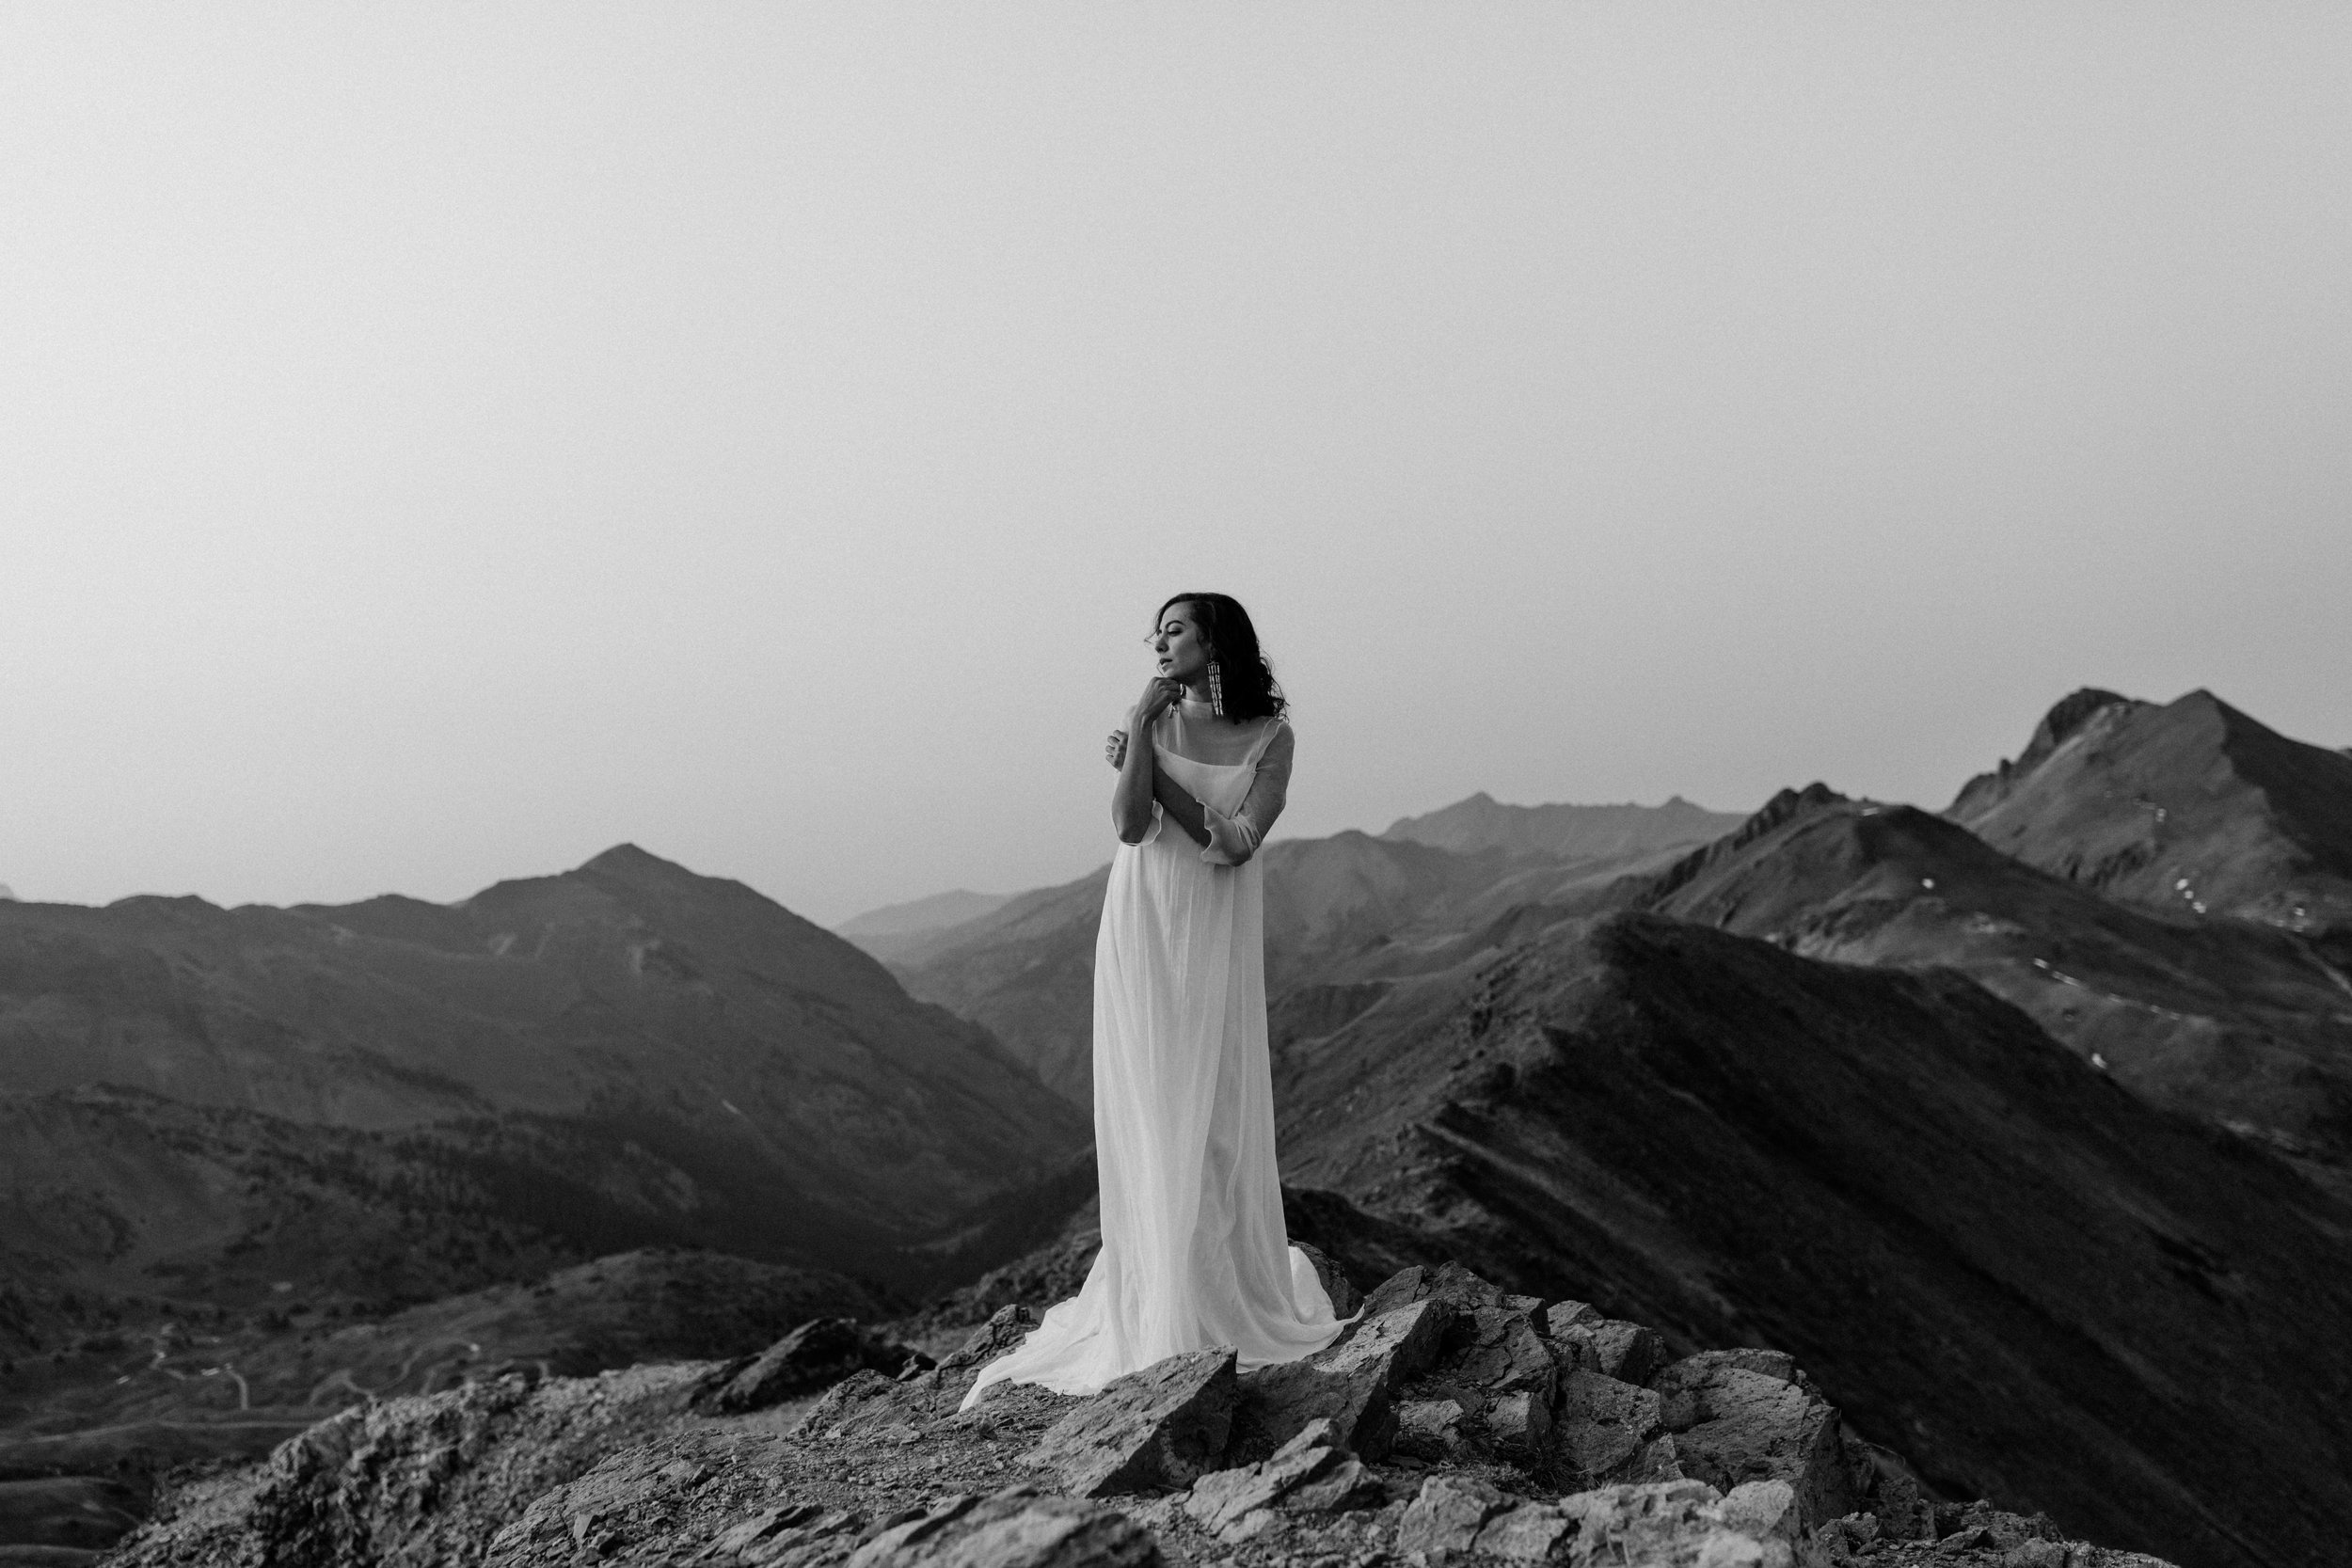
column 1242, row 671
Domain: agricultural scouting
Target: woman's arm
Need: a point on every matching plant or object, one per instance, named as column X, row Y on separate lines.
column 1234, row 839
column 1131, row 797
column 1181, row 808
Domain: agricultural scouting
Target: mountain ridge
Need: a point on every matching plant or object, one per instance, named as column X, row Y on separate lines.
column 734, row 1045
column 1566, row 830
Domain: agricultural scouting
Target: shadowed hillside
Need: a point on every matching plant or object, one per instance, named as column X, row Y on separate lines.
column 2233, row 1019
column 886, row 932
column 2042, row 1289
column 675, row 1054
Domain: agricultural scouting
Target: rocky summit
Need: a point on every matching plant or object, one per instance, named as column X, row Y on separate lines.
column 1452, row 1422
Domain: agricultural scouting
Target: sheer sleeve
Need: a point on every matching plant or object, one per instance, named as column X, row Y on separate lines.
column 1234, row 839
column 1118, row 757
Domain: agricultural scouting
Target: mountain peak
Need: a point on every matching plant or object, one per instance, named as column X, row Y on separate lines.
column 1786, row 806
column 2190, row 806
column 2071, row 711
column 631, row 864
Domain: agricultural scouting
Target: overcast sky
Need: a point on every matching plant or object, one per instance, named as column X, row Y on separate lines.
column 437, row 443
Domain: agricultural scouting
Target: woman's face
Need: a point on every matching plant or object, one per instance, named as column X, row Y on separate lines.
column 1184, row 652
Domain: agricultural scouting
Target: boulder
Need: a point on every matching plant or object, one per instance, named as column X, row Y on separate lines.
column 1352, row 1383
column 1605, row 1431
column 1518, row 1427
column 1005, row 1331
column 1448, row 1514
column 1732, row 1424
column 1019, row 1528
column 1497, row 1350
column 1345, row 1298
column 1658, row 1521
column 1429, row 1429
column 1530, row 1532
column 1161, row 1427
column 1630, row 1353
column 1765, row 1510
column 1345, row 1485
column 1561, row 1316
column 1887, row 1490
column 863, row 1402
column 813, row 1357
column 1310, row 1473
column 1452, row 1284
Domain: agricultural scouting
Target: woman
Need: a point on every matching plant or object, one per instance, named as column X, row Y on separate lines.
column 1194, row 1250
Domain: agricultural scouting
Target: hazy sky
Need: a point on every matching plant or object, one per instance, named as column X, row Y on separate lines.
column 438, row 442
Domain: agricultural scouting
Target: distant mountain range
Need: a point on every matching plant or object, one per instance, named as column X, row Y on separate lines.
column 1481, row 822
column 1025, row 969
column 879, row 931
column 396, row 1098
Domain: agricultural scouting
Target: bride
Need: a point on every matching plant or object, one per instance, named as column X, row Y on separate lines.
column 1193, row 1249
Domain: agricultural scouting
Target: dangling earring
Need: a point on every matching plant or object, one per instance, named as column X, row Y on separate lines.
column 1217, row 691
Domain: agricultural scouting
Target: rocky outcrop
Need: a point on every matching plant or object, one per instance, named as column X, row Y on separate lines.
column 1492, row 1440
column 1351, row 1384
column 1891, row 1175
column 1162, row 1427
column 813, row 1357
column 421, row 1481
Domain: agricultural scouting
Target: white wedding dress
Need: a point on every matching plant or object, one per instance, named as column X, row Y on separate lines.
column 1193, row 1249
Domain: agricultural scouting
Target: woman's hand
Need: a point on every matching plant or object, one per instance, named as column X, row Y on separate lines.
column 1115, row 749
column 1158, row 694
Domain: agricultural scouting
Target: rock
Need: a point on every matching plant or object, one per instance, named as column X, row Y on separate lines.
column 1886, row 1490
column 1732, row 1424
column 1730, row 1549
column 418, row 1479
column 1659, row 1522
column 1428, row 1429
column 1530, row 1532
column 1765, row 1510
column 1519, row 1426
column 813, row 1356
column 1352, row 1383
column 1160, row 1427
column 1563, row 1315
column 1847, row 1536
column 1345, row 1485
column 1604, row 1429
column 1629, row 1353
column 1002, row 1332
column 1345, row 1298
column 1452, row 1284
column 1019, row 1528
column 1307, row 1475
column 863, row 1402
column 1498, row 1350
column 1448, row 1514
column 792, row 1523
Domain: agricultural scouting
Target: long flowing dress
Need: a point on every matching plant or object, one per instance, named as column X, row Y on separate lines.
column 1194, row 1249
